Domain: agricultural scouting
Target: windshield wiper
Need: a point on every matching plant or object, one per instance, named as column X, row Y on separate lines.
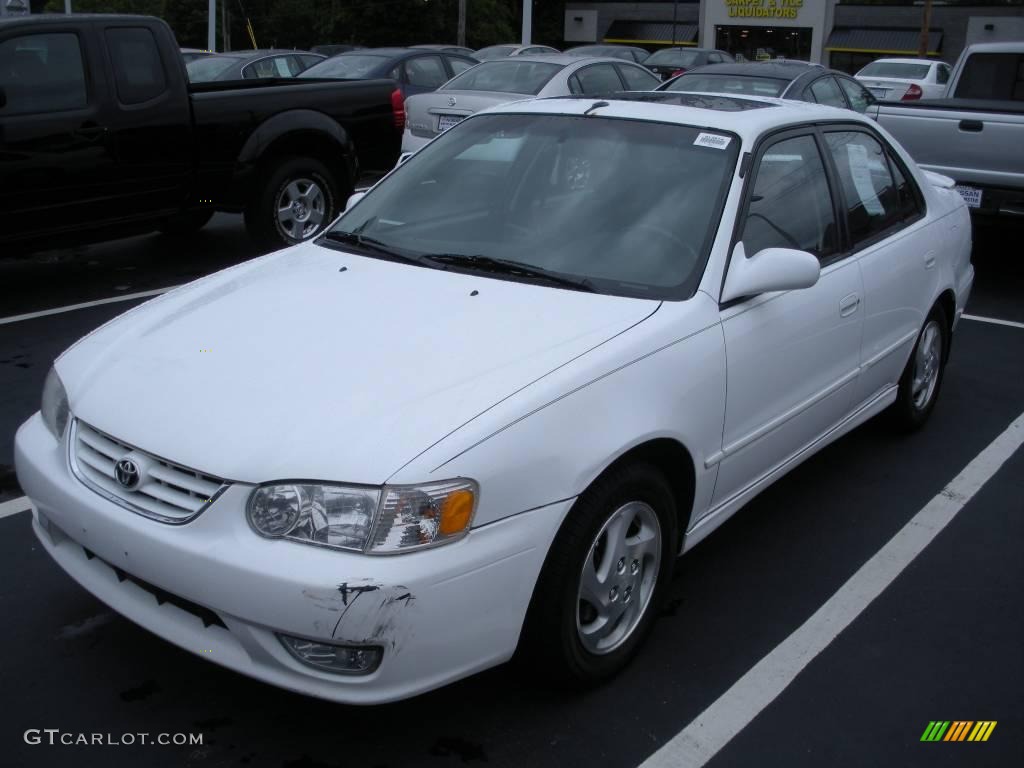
column 371, row 245
column 509, row 267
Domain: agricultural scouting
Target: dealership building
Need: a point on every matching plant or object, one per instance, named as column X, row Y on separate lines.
column 837, row 33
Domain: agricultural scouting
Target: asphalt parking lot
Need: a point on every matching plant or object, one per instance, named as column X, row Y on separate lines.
column 943, row 641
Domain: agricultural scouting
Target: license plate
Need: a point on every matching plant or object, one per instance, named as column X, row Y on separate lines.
column 971, row 195
column 444, row 122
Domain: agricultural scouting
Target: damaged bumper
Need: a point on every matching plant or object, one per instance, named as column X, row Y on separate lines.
column 217, row 589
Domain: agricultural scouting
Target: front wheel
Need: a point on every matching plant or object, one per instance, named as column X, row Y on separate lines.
column 922, row 378
column 296, row 201
column 605, row 577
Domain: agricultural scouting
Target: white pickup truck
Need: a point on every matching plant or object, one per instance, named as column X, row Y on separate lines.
column 975, row 134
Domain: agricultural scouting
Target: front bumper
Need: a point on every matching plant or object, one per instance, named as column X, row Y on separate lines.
column 439, row 614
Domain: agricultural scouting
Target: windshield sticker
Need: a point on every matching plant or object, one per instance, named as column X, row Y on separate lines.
column 857, row 157
column 712, row 140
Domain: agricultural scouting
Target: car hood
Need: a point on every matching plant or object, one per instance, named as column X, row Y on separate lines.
column 316, row 363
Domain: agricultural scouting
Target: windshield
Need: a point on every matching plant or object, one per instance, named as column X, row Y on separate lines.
column 210, row 68
column 896, row 69
column 672, row 59
column 610, row 202
column 346, row 67
column 750, row 86
column 494, row 52
column 505, row 76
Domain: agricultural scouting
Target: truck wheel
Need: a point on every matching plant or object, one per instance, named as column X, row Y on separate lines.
column 297, row 199
column 185, row 223
column 604, row 579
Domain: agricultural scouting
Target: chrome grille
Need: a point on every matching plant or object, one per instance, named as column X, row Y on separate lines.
column 166, row 492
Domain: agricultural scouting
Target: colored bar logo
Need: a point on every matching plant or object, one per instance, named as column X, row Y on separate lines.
column 958, row 730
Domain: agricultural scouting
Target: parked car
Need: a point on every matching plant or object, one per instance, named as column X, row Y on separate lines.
column 191, row 54
column 448, row 49
column 250, row 65
column 496, row 82
column 627, row 52
column 905, row 79
column 511, row 49
column 669, row 62
column 814, row 84
column 93, row 151
column 974, row 134
column 415, row 70
column 520, row 415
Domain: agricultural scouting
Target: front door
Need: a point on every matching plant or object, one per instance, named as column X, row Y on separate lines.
column 792, row 356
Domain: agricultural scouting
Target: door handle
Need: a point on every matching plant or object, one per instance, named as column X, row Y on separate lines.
column 90, row 131
column 974, row 126
column 848, row 305
column 929, row 260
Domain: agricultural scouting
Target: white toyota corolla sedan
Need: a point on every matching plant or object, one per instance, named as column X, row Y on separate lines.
column 490, row 406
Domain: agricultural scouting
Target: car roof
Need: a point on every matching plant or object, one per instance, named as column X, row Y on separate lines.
column 689, row 48
column 900, row 60
column 564, row 59
column 748, row 116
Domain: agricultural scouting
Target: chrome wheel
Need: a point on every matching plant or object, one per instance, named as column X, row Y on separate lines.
column 927, row 361
column 618, row 577
column 301, row 208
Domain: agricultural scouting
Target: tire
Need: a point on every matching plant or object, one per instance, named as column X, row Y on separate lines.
column 185, row 223
column 571, row 632
column 922, row 378
column 305, row 188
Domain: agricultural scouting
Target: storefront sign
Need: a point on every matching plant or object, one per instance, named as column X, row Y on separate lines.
column 764, row 9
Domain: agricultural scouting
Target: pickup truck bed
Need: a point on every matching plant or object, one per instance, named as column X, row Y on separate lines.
column 103, row 136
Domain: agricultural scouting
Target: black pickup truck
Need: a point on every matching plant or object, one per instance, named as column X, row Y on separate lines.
column 102, row 136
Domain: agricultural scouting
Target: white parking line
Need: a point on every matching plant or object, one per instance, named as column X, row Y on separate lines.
column 733, row 710
column 993, row 320
column 84, row 305
column 14, row 506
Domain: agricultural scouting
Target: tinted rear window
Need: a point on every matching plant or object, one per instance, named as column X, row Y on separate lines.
column 997, row 76
column 672, row 59
column 750, row 86
column 356, row 66
column 494, row 52
column 209, row 68
column 896, row 69
column 506, row 76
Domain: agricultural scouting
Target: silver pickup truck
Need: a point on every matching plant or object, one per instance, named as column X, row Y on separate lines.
column 975, row 134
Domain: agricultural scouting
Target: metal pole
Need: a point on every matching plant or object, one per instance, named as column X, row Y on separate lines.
column 225, row 28
column 67, row 6
column 675, row 14
column 926, row 22
column 211, row 27
column 462, row 23
column 527, row 21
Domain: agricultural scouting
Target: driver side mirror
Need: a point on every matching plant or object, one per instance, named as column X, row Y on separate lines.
column 773, row 269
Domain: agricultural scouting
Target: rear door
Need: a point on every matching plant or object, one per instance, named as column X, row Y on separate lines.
column 149, row 121
column 55, row 158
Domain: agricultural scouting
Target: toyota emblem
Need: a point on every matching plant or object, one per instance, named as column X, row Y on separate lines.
column 451, row 101
column 127, row 474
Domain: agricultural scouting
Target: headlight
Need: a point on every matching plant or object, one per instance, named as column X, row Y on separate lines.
column 55, row 404
column 372, row 520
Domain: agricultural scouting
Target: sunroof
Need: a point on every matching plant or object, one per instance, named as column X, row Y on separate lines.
column 698, row 100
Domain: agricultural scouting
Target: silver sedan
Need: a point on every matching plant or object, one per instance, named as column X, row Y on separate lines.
column 511, row 79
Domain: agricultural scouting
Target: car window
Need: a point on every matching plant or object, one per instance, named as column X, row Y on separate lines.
column 942, row 74
column 898, row 69
column 860, row 98
column 308, row 60
column 872, row 201
column 505, row 76
column 42, row 73
column 537, row 49
column 355, row 66
column 138, row 71
column 638, row 78
column 992, row 76
column 459, row 65
column 426, row 71
column 671, row 58
column 262, row 68
column 791, row 205
column 698, row 82
column 598, row 78
column 825, row 91
column 494, row 52
column 209, row 68
column 906, row 191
